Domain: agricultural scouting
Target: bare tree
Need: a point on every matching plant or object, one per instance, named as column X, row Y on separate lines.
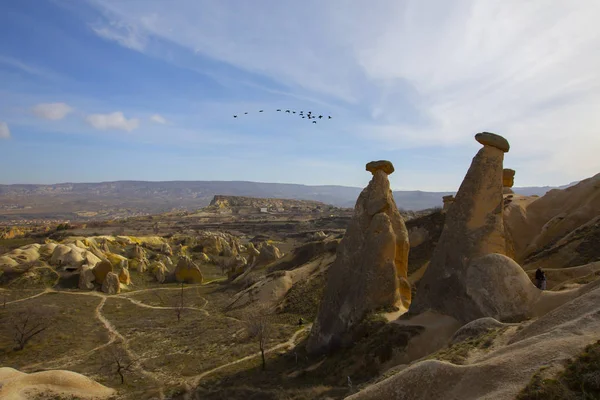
column 119, row 363
column 259, row 327
column 27, row 324
column 179, row 307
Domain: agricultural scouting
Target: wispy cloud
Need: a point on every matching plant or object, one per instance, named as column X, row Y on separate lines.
column 159, row 119
column 52, row 111
column 114, row 120
column 124, row 34
column 24, row 67
column 4, row 131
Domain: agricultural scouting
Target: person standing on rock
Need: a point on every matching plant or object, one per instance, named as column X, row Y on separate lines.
column 540, row 279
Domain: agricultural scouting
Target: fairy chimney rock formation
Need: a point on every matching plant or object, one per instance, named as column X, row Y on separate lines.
column 448, row 200
column 508, row 180
column 474, row 227
column 370, row 269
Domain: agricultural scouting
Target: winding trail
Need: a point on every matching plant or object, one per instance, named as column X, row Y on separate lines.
column 116, row 337
column 290, row 344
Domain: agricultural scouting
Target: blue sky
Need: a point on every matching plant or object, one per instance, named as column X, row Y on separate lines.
column 98, row 90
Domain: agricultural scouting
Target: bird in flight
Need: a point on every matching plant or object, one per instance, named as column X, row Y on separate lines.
column 260, row 110
column 235, row 116
column 314, row 122
column 279, row 109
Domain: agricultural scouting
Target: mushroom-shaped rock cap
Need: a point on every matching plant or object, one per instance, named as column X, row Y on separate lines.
column 491, row 139
column 384, row 165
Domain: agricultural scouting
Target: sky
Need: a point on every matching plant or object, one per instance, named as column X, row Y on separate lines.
column 102, row 90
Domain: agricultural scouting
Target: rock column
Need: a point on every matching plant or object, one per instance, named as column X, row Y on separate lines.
column 474, row 227
column 370, row 270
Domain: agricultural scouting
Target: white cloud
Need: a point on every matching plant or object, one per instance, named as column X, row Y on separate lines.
column 159, row 119
column 420, row 73
column 52, row 111
column 30, row 69
column 124, row 34
column 114, row 120
column 4, row 131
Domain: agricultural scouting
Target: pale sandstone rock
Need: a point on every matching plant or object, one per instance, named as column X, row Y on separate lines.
column 101, row 270
column 166, row 249
column 160, row 271
column 111, row 284
column 473, row 228
column 188, row 271
column 124, row 276
column 370, row 269
column 268, row 253
column 86, row 278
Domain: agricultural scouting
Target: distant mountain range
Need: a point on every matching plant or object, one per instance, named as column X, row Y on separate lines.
column 107, row 199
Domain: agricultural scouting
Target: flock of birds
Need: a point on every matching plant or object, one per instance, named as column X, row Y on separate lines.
column 308, row 115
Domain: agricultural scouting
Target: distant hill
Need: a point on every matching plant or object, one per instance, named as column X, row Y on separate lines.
column 127, row 198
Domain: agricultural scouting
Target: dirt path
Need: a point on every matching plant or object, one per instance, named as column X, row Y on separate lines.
column 290, row 344
column 116, row 337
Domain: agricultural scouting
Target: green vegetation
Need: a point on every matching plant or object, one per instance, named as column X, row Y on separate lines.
column 580, row 380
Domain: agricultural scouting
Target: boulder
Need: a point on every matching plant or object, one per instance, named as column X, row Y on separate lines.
column 499, row 288
column 166, row 249
column 370, row 269
column 203, row 258
column 59, row 253
column 417, row 236
column 268, row 254
column 111, row 284
column 124, row 276
column 91, row 259
column 493, row 140
column 473, row 228
column 508, row 177
column 138, row 253
column 101, row 270
column 382, row 165
column 253, row 253
column 187, row 271
column 160, row 271
column 86, row 278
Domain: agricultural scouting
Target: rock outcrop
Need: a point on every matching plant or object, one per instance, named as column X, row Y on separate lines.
column 101, row 270
column 370, row 269
column 53, row 384
column 111, row 284
column 160, row 271
column 562, row 223
column 508, row 180
column 187, row 271
column 268, row 253
column 86, row 278
column 448, row 201
column 124, row 276
column 473, row 228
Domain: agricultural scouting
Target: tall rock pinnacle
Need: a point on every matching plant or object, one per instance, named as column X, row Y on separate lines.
column 370, row 270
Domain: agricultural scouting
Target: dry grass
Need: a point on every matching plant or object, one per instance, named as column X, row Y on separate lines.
column 458, row 353
column 74, row 331
column 580, row 380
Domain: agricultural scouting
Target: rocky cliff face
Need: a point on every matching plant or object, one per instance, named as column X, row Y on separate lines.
column 370, row 268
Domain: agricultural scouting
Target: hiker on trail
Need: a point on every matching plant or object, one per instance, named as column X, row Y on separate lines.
column 540, row 279
column 300, row 322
